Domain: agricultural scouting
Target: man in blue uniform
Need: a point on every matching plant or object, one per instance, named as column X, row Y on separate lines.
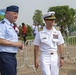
column 9, row 42
column 49, row 40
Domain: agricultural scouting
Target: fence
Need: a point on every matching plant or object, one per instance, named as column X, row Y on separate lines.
column 27, row 55
column 21, row 58
column 70, row 48
column 30, row 55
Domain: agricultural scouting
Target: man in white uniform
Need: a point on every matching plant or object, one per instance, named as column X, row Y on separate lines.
column 34, row 29
column 49, row 40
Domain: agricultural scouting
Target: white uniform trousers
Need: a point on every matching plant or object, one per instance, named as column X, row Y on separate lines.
column 49, row 63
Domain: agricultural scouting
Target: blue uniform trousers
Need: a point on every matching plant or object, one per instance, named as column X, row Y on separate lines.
column 8, row 63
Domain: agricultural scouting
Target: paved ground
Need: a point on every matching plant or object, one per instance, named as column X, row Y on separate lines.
column 69, row 68
column 24, row 68
column 25, row 59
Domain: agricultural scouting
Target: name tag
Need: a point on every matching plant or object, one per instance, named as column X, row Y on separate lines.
column 44, row 38
column 10, row 28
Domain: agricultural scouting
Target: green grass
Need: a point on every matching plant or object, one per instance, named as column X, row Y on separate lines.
column 27, row 38
column 30, row 37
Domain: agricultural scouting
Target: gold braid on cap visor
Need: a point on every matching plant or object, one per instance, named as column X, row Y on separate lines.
column 48, row 18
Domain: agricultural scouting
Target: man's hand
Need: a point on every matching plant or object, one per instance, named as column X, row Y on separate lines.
column 61, row 62
column 36, row 64
column 19, row 45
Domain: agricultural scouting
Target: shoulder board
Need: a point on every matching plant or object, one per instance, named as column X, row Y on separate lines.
column 2, row 22
column 57, row 29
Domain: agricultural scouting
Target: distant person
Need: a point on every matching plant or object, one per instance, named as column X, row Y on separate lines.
column 9, row 42
column 20, row 31
column 24, row 31
column 16, row 28
column 49, row 41
column 34, row 29
column 39, row 27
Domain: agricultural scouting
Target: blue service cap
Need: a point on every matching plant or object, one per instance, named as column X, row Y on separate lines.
column 12, row 8
column 49, row 15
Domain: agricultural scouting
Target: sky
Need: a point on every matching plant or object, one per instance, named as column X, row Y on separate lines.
column 28, row 7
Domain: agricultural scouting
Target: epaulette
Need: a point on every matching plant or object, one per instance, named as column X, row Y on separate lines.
column 57, row 28
column 2, row 22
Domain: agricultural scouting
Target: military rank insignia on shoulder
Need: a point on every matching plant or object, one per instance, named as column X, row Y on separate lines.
column 2, row 22
column 57, row 28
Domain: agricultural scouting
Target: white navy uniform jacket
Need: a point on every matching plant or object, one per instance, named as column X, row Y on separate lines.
column 48, row 40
